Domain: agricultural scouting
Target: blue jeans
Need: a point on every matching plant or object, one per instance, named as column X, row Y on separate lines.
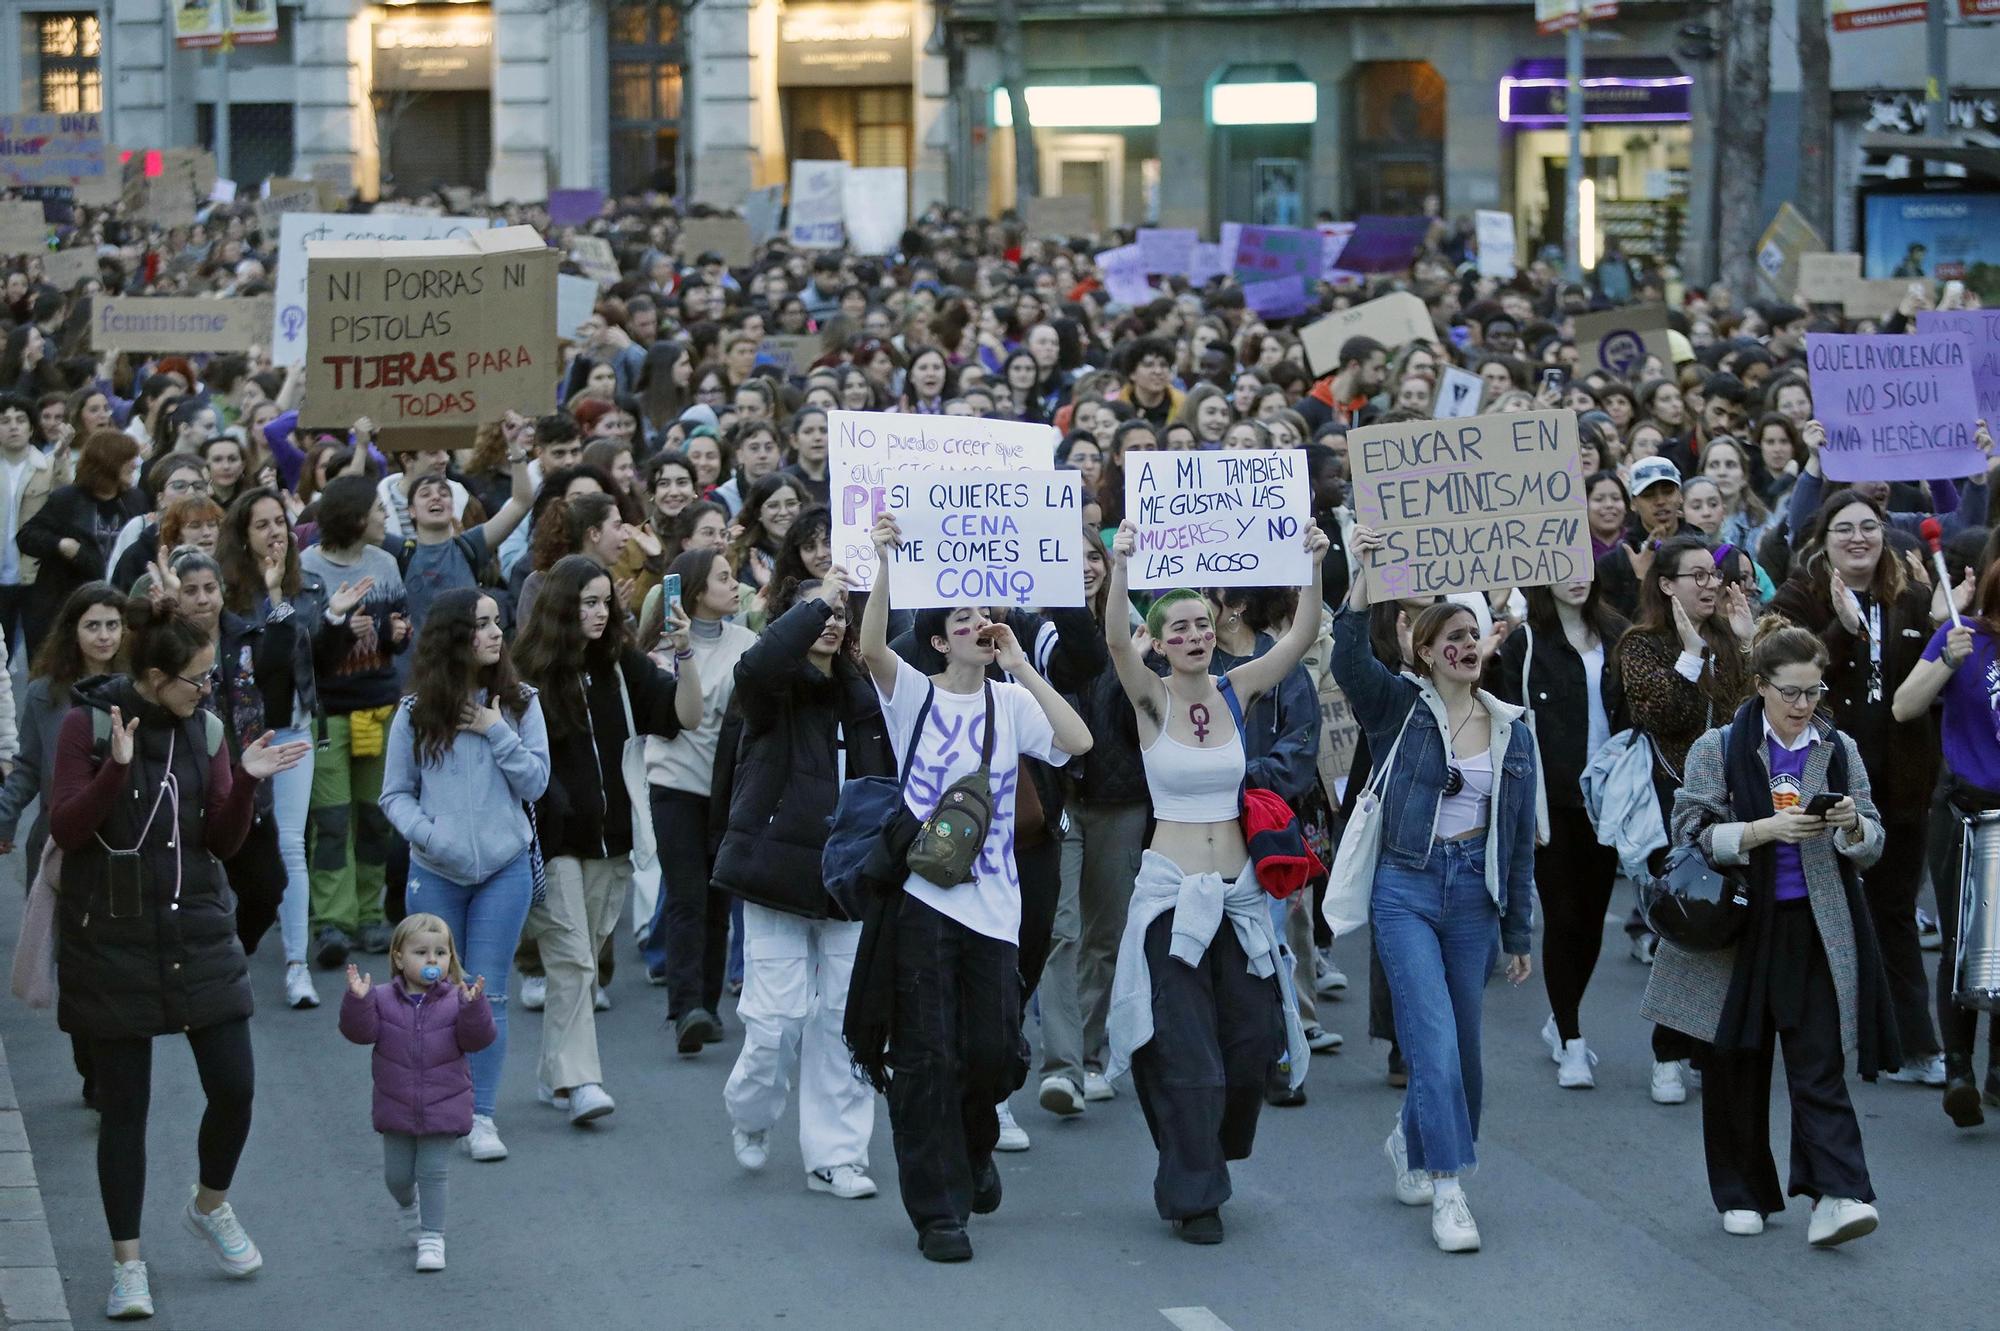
column 291, row 800
column 485, row 920
column 1437, row 929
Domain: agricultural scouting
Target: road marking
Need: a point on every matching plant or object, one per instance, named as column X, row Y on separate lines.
column 1194, row 1319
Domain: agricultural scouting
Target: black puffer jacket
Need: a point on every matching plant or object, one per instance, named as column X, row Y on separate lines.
column 1561, row 704
column 173, row 964
column 586, row 812
column 786, row 780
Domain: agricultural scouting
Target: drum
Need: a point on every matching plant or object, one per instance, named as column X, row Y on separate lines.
column 1976, row 968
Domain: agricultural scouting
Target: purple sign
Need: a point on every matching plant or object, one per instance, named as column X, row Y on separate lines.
column 1267, row 252
column 1896, row 408
column 1205, row 262
column 574, row 207
column 1277, row 297
column 1983, row 327
column 1384, row 244
column 1124, row 275
column 1167, row 251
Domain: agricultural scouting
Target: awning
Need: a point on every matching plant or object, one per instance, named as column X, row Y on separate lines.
column 1263, row 95
column 1098, row 98
column 1616, row 89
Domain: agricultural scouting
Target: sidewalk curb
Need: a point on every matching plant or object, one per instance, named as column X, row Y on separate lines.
column 31, row 1288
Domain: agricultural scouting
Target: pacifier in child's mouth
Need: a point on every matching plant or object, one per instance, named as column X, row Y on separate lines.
column 432, row 974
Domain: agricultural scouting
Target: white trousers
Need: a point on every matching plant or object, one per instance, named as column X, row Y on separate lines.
column 795, row 977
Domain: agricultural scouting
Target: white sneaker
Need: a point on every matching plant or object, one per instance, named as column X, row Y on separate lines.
column 1838, row 1219
column 483, row 1142
column 753, row 1149
column 1643, row 948
column 846, row 1181
column 1553, row 1039
column 1059, row 1095
column 1573, row 1067
column 1742, row 1222
column 1323, row 1041
column 430, row 1251
column 589, row 1101
column 1451, row 1222
column 599, row 999
column 1413, row 1186
column 1013, row 1137
column 1690, row 1074
column 131, row 1292
column 1920, row 1071
column 220, row 1229
column 548, row 1095
column 409, row 1219
column 1096, row 1086
column 534, row 992
column 1668, row 1088
column 1327, row 978
column 299, row 991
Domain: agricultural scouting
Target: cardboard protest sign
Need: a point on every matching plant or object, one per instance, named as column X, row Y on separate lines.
column 1617, row 341
column 1494, row 233
column 1339, row 736
column 1983, row 327
column 574, row 207
column 281, row 195
column 1278, row 297
column 867, row 451
column 1168, row 251
column 1896, row 408
column 1471, row 505
column 987, row 538
column 295, row 230
column 1222, row 519
column 1393, row 320
column 1459, row 394
column 576, row 300
column 817, row 201
column 63, row 269
column 426, row 334
column 727, row 236
column 1878, row 297
column 1123, row 271
column 58, row 202
column 874, row 205
column 404, row 208
column 594, row 255
column 178, row 323
column 1824, row 278
column 23, row 230
column 1060, row 215
column 51, row 149
column 1266, row 252
column 761, row 209
column 791, row 353
column 1783, row 243
column 168, row 197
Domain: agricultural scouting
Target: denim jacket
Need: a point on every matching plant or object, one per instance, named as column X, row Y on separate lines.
column 1410, row 799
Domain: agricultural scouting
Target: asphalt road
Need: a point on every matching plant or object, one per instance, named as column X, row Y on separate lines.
column 1592, row 1204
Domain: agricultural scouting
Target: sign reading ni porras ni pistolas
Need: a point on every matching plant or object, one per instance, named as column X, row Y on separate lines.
column 430, row 334
column 1471, row 505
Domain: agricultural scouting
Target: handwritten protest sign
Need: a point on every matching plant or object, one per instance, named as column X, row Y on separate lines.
column 1494, row 232
column 1383, row 244
column 1333, row 238
column 1124, row 273
column 987, row 538
column 63, row 269
column 1789, row 237
column 1825, row 277
column 874, row 205
column 1266, row 252
column 576, row 300
column 1392, row 320
column 1221, row 519
column 790, row 352
column 1471, row 505
column 574, row 207
column 178, row 323
column 1168, row 250
column 593, row 254
column 295, row 230
column 1983, row 327
column 761, row 209
column 727, row 236
column 1277, row 297
column 1205, row 263
column 868, row 450
column 51, row 149
column 1339, row 736
column 817, row 192
column 281, row 195
column 1896, row 408
column 1060, row 215
column 433, row 333
column 1458, row 394
column 23, row 230
column 1618, row 340
column 58, row 202
column 1878, row 297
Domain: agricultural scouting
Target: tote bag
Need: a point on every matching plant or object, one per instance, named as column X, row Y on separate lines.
column 1534, row 733
column 632, row 766
column 1352, row 879
column 34, row 977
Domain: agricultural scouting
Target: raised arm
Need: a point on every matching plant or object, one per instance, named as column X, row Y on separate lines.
column 1142, row 686
column 1255, row 678
column 1072, row 735
column 875, row 653
column 522, row 497
column 1915, row 694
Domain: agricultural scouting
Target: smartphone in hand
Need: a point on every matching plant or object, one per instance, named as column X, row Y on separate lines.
column 1820, row 805
column 670, row 588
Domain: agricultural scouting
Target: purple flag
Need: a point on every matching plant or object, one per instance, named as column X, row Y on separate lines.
column 574, row 207
column 1384, row 244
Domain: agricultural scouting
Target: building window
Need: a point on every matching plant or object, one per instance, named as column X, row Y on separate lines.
column 69, row 73
column 1397, row 150
column 646, row 62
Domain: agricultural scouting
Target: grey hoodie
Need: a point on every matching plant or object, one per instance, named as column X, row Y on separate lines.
column 462, row 814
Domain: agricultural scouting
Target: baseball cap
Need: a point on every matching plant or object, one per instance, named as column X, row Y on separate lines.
column 1649, row 472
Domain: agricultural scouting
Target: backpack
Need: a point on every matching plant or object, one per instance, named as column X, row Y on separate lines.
column 100, row 730
column 503, row 598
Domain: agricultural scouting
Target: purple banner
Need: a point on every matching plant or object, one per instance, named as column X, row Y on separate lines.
column 1267, row 252
column 1983, row 327
column 1277, row 297
column 574, row 207
column 1384, row 244
column 1896, row 408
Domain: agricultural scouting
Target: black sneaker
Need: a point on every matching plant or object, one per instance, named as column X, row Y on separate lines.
column 715, row 1031
column 986, row 1190
column 691, row 1032
column 329, row 949
column 375, row 937
column 946, row 1243
column 1961, row 1094
column 1204, row 1229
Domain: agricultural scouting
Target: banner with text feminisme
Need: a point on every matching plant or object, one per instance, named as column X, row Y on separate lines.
column 178, row 323
column 1012, row 538
column 288, row 320
column 867, row 451
column 1471, row 505
column 1223, row 519
column 1895, row 407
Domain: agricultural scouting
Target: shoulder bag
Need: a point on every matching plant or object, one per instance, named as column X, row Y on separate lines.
column 1352, row 880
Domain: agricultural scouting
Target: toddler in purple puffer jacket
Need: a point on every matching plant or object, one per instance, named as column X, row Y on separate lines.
column 423, row 1021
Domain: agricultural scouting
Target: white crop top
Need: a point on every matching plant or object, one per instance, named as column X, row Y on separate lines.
column 1191, row 784
column 1465, row 812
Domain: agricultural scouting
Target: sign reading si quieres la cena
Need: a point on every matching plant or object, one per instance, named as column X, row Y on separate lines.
column 1472, row 505
column 1218, row 519
column 426, row 334
column 868, row 451
column 987, row 537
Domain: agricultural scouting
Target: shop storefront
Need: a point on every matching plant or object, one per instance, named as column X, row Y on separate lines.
column 1938, row 219
column 1096, row 137
column 432, row 94
column 1637, row 149
column 845, row 75
column 1262, row 119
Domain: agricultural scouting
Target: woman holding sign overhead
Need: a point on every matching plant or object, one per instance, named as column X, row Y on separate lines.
column 1457, row 828
column 1197, row 1011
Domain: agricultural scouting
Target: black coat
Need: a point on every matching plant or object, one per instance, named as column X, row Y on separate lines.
column 1561, row 706
column 70, row 512
column 289, row 644
column 586, row 812
column 176, row 964
column 786, row 781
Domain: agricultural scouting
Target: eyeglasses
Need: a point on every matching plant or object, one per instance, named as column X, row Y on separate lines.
column 1703, row 577
column 1844, row 530
column 186, row 487
column 202, row 685
column 1794, row 695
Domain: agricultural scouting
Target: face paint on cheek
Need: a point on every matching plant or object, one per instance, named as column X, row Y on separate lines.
column 1451, row 657
column 1176, row 642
